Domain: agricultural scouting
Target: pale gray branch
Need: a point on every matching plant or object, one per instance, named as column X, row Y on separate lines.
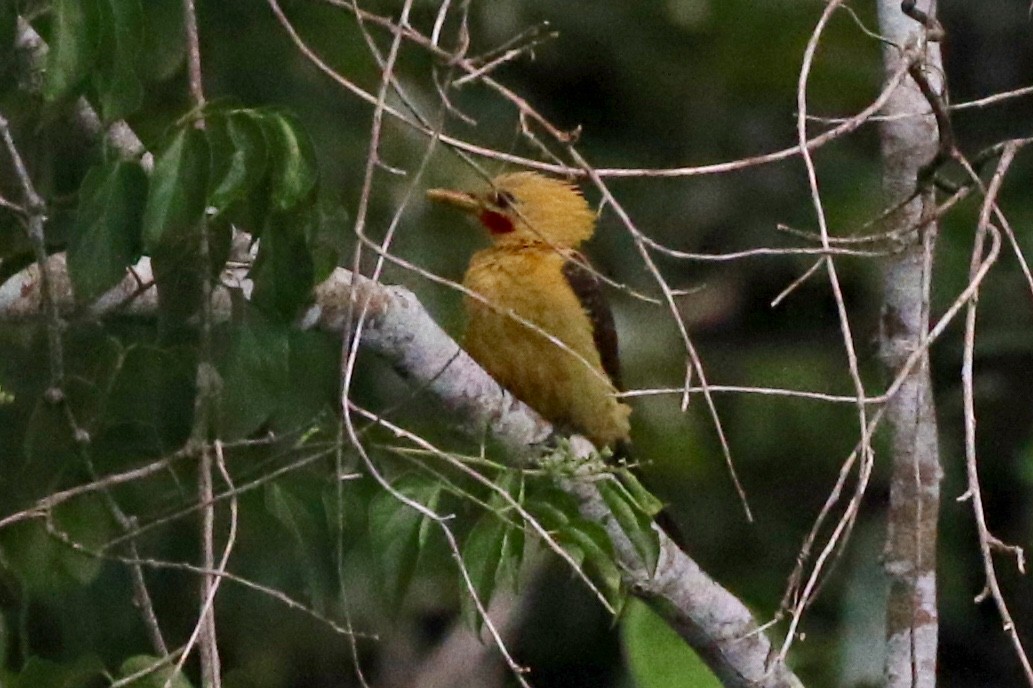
column 712, row 620
column 909, row 143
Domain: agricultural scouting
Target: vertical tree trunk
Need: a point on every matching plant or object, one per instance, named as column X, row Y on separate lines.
column 910, row 557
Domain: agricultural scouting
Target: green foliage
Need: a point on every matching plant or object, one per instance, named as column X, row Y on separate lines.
column 494, row 548
column 657, row 656
column 83, row 672
column 239, row 159
column 293, row 172
column 585, row 541
column 119, row 88
column 46, row 565
column 106, row 238
column 74, row 44
column 399, row 531
column 175, row 200
column 255, row 375
column 633, row 511
column 8, row 29
column 683, row 82
column 97, row 43
column 163, row 36
column 305, row 529
column 163, row 677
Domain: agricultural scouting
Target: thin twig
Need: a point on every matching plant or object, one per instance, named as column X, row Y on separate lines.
column 987, row 542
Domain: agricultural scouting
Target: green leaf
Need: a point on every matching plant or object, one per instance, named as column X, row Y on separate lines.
column 106, row 237
column 585, row 541
column 493, row 549
column 512, row 482
column 48, row 439
column 153, row 392
column 164, row 676
column 175, row 201
column 84, row 672
column 657, row 656
column 292, row 161
column 325, row 235
column 283, row 270
column 74, row 42
column 45, row 565
column 593, row 542
column 482, row 555
column 256, row 375
column 311, row 392
column 644, row 500
column 395, row 531
column 551, row 506
column 163, row 36
column 119, row 90
column 309, row 540
column 85, row 521
column 238, row 159
column 636, row 524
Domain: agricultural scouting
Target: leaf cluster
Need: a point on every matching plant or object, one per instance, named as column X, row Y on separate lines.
column 493, row 549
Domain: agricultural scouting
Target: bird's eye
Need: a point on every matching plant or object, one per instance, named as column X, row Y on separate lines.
column 503, row 200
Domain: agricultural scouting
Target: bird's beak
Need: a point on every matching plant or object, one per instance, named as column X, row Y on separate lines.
column 457, row 199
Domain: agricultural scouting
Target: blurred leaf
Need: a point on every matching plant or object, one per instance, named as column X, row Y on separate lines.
column 585, row 541
column 8, row 32
column 74, row 41
column 325, row 234
column 636, row 523
column 153, row 391
column 256, row 375
column 591, row 540
column 45, row 565
column 657, row 656
column 163, row 36
column 311, row 390
column 482, row 555
column 119, row 90
column 643, row 500
column 238, row 158
column 493, row 550
column 283, row 269
column 553, row 507
column 107, row 229
column 86, row 522
column 175, row 201
column 513, row 545
column 172, row 227
column 48, row 438
column 395, row 531
column 293, row 514
column 292, row 160
column 84, row 672
column 164, row 677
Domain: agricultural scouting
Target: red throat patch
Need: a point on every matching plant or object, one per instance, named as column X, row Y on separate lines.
column 497, row 223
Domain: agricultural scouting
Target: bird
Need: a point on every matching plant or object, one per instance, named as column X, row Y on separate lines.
column 537, row 318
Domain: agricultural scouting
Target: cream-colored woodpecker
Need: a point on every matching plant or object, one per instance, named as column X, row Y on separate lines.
column 559, row 354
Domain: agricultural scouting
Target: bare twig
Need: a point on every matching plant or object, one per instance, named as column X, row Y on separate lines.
column 205, row 403
column 987, row 542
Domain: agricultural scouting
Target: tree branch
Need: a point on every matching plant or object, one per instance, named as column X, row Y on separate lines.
column 708, row 617
column 908, row 144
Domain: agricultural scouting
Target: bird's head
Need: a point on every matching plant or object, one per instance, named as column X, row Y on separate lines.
column 526, row 207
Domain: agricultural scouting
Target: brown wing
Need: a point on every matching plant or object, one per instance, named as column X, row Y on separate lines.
column 588, row 290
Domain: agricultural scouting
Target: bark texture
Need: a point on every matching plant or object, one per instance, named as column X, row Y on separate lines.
column 909, row 143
